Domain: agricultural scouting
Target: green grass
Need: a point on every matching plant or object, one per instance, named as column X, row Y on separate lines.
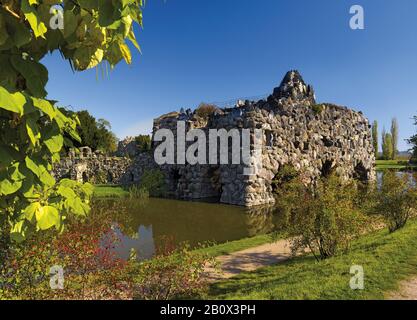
column 108, row 191
column 386, row 259
column 237, row 245
column 393, row 164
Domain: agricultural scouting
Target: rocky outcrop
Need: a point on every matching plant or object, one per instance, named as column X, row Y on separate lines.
column 127, row 148
column 316, row 139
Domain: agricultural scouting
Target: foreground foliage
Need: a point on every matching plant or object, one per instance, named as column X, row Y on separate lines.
column 175, row 272
column 32, row 128
column 85, row 252
column 92, row 268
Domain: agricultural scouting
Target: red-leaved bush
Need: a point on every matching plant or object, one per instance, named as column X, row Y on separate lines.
column 85, row 251
column 175, row 272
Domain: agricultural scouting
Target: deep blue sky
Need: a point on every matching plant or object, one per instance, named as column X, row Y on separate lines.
column 217, row 50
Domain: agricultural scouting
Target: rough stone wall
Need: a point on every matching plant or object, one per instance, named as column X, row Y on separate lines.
column 127, row 148
column 314, row 139
column 93, row 167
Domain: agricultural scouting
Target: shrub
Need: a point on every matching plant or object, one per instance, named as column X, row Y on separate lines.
column 286, row 174
column 154, row 182
column 175, row 272
column 92, row 269
column 324, row 220
column 396, row 200
column 24, row 274
column 136, row 192
column 317, row 108
column 205, row 110
column 144, row 143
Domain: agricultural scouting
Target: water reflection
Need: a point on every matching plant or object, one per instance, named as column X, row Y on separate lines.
column 412, row 176
column 143, row 243
column 144, row 226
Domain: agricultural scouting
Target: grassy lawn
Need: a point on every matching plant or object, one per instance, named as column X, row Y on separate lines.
column 393, row 164
column 386, row 259
column 108, row 191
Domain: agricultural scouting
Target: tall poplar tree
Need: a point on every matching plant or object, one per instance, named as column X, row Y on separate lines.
column 375, row 138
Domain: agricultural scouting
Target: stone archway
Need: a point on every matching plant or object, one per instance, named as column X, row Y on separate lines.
column 215, row 180
column 360, row 173
column 85, row 177
column 174, row 177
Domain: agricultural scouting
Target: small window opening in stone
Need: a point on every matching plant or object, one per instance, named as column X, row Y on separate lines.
column 327, row 169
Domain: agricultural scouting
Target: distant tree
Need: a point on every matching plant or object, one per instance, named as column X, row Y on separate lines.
column 394, row 135
column 108, row 140
column 383, row 138
column 413, row 142
column 375, row 138
column 95, row 134
column 387, row 151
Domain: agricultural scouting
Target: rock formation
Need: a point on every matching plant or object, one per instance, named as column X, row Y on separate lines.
column 315, row 139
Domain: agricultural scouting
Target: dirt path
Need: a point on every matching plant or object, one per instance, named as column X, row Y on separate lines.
column 408, row 291
column 249, row 260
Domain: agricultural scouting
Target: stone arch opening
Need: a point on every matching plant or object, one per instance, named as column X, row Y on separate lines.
column 174, row 175
column 360, row 173
column 269, row 138
column 215, row 181
column 85, row 177
column 109, row 177
column 327, row 169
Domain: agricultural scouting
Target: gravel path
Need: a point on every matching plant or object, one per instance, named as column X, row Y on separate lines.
column 408, row 291
column 249, row 260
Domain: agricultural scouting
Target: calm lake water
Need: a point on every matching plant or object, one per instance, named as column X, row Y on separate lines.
column 144, row 225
